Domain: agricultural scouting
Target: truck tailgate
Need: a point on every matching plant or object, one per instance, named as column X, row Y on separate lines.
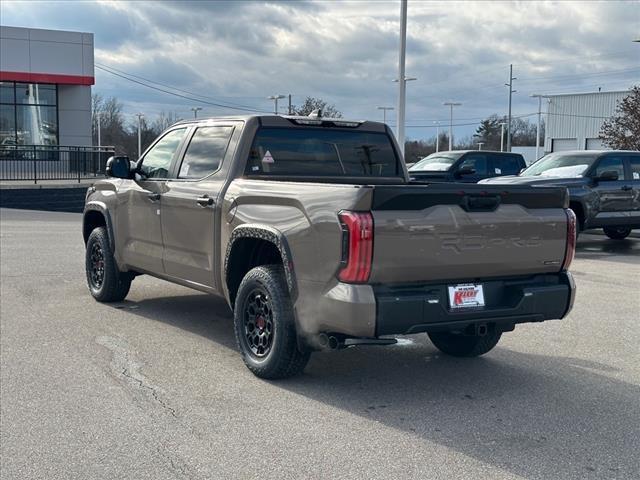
column 463, row 232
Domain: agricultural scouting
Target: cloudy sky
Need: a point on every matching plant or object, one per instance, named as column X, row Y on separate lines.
column 238, row 53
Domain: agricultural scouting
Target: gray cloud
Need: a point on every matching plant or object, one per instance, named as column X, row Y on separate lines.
column 346, row 52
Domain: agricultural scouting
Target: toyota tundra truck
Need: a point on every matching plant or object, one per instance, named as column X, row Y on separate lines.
column 313, row 232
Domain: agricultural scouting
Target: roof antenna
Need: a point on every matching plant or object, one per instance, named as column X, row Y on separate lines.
column 317, row 113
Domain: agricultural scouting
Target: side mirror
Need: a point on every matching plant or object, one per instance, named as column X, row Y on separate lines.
column 607, row 176
column 465, row 171
column 118, row 167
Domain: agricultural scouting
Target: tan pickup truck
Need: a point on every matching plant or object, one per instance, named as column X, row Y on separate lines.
column 315, row 235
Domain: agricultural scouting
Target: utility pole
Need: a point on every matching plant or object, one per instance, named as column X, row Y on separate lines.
column 384, row 113
column 451, row 105
column 275, row 98
column 437, row 136
column 502, row 124
column 140, row 117
column 539, row 97
column 290, row 109
column 511, row 92
column 402, row 84
column 98, row 118
column 195, row 111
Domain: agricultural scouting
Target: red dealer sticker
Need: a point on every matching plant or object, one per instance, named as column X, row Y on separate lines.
column 467, row 295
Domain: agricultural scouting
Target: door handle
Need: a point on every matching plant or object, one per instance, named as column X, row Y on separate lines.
column 205, row 201
column 154, row 197
column 626, row 188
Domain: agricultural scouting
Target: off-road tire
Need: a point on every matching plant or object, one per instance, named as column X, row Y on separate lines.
column 283, row 358
column 460, row 345
column 115, row 284
column 617, row 233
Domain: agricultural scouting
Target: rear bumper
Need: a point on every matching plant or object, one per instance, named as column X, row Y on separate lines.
column 405, row 309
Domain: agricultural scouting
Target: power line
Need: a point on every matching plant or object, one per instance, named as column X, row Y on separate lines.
column 581, row 75
column 215, row 104
column 168, row 86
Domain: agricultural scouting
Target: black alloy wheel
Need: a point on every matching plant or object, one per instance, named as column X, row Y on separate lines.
column 258, row 323
column 96, row 266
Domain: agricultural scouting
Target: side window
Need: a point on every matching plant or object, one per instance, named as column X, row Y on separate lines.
column 610, row 163
column 157, row 161
column 635, row 167
column 205, row 152
column 476, row 161
column 505, row 165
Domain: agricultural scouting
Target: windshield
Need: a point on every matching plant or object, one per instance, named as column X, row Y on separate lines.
column 322, row 152
column 435, row 163
column 564, row 165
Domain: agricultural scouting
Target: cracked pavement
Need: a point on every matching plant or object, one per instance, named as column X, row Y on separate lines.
column 153, row 388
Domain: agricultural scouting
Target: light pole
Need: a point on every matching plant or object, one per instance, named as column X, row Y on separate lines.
column 451, row 105
column 384, row 113
column 275, row 99
column 539, row 97
column 98, row 120
column 140, row 117
column 480, row 145
column 195, row 111
column 511, row 92
column 437, row 136
column 402, row 90
column 502, row 124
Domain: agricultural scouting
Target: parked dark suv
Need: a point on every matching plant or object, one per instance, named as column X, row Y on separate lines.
column 604, row 186
column 467, row 166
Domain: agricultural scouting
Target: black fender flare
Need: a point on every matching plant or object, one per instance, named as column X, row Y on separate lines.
column 102, row 208
column 272, row 235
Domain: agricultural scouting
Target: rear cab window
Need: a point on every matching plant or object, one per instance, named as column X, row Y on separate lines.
column 322, row 152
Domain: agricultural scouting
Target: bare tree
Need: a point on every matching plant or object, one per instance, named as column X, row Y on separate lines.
column 622, row 131
column 310, row 104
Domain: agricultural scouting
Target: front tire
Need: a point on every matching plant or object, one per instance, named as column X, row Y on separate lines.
column 617, row 233
column 265, row 327
column 460, row 345
column 106, row 283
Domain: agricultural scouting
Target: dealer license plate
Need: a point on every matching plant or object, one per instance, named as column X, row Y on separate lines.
column 466, row 295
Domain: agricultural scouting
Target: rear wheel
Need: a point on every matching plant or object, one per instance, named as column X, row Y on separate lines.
column 617, row 233
column 461, row 345
column 265, row 327
column 106, row 283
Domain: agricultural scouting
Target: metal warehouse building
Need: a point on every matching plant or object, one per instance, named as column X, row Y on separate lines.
column 574, row 120
column 45, row 87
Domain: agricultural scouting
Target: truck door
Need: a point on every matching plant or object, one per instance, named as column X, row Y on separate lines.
column 614, row 196
column 139, row 200
column 191, row 206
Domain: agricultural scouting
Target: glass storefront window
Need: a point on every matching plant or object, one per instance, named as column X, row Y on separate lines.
column 7, row 124
column 28, row 114
column 36, row 125
column 35, row 94
column 7, row 92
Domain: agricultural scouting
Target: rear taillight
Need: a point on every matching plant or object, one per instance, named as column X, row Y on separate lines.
column 357, row 246
column 571, row 238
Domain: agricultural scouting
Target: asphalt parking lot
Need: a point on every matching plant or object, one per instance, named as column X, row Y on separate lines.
column 154, row 388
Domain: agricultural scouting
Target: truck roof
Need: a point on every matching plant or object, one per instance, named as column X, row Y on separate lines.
column 279, row 120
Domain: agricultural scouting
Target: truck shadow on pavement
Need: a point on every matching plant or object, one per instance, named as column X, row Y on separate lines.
column 599, row 247
column 533, row 415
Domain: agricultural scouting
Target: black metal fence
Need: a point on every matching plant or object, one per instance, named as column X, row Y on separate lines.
column 52, row 162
